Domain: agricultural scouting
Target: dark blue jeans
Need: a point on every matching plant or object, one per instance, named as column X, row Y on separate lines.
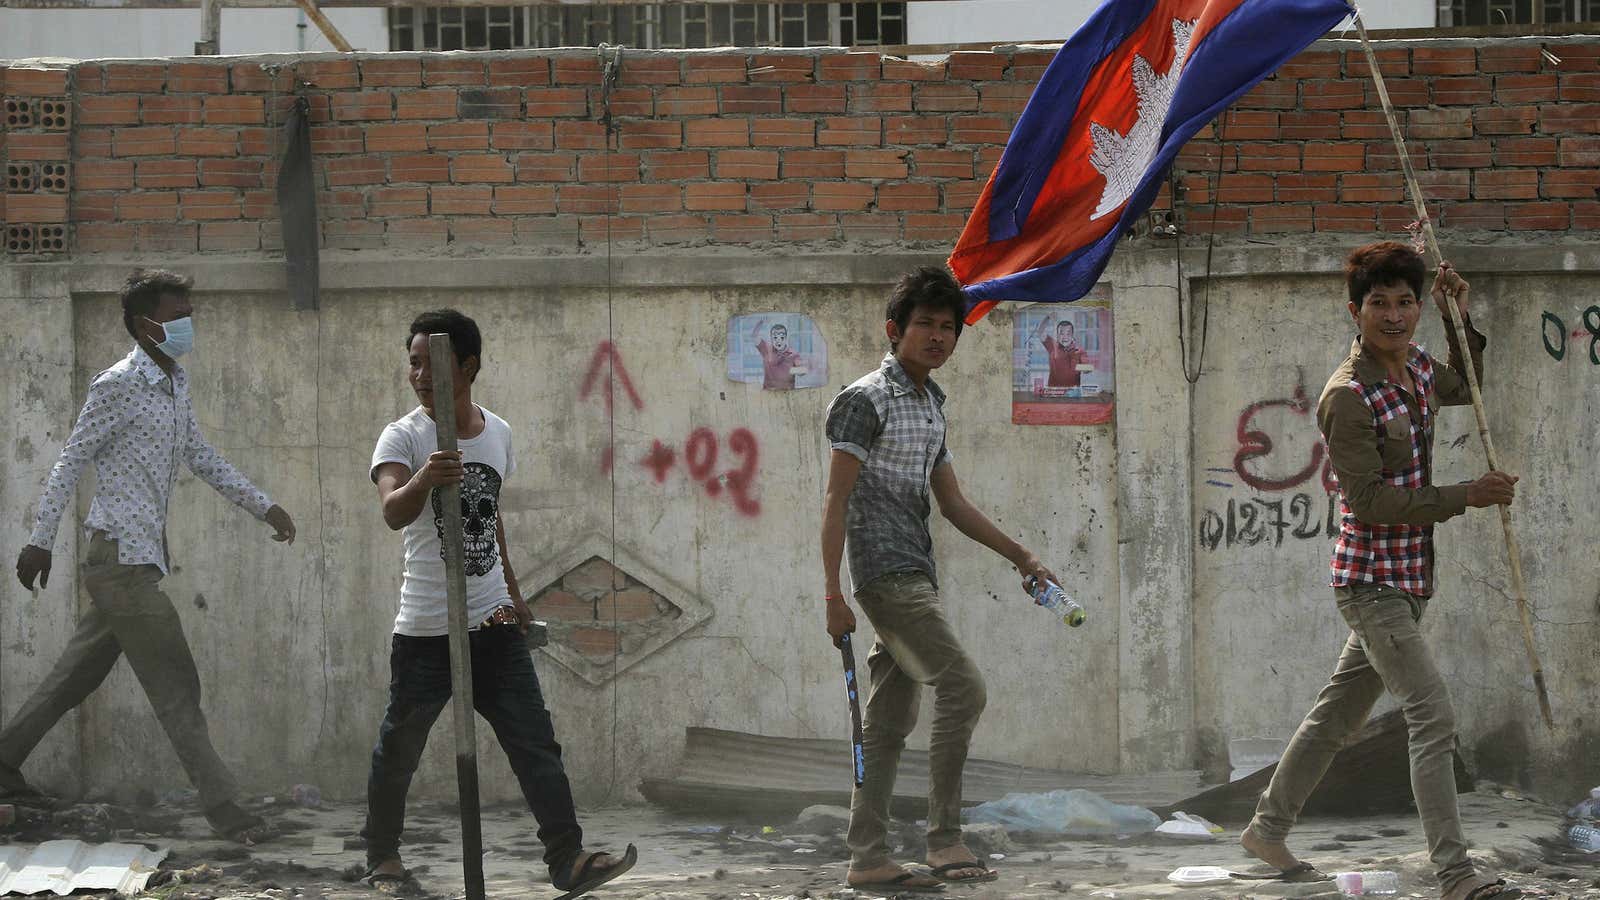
column 505, row 691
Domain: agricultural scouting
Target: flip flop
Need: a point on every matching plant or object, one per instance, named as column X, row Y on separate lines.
column 1494, row 890
column 232, row 823
column 387, row 882
column 987, row 876
column 899, row 885
column 587, row 879
column 1305, row 872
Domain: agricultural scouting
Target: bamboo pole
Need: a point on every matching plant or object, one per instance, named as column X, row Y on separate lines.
column 442, row 360
column 1513, row 550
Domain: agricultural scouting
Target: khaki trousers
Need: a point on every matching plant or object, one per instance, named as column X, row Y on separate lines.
column 130, row 615
column 915, row 647
column 1385, row 650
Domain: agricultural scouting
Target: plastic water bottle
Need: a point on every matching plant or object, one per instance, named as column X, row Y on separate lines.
column 1588, row 809
column 1052, row 597
column 1584, row 837
column 1367, row 884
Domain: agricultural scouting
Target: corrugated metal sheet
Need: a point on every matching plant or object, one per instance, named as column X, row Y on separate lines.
column 62, row 867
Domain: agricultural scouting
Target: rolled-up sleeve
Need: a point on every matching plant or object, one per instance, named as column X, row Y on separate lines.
column 853, row 423
column 1450, row 379
column 1346, row 424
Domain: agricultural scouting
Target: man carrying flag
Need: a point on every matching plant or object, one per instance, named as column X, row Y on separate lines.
column 1093, row 146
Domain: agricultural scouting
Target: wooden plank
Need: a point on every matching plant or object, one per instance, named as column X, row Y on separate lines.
column 326, row 27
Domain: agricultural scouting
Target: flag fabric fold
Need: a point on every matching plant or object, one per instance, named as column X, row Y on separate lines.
column 1092, row 146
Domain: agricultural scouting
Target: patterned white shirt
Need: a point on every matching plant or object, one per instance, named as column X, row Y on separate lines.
column 136, row 425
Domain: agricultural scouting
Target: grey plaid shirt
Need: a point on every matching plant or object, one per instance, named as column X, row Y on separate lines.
column 898, row 434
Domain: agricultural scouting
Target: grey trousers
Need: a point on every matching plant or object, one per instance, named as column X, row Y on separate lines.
column 1385, row 650
column 130, row 615
column 915, row 647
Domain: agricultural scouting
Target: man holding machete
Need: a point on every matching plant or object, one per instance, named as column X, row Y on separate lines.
column 407, row 466
column 887, row 431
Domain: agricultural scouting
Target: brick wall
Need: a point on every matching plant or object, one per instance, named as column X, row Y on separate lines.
column 485, row 150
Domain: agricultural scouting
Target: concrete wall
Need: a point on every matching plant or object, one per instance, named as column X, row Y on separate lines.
column 1187, row 645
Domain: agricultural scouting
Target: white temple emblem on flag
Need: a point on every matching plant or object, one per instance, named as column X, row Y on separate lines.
column 1123, row 158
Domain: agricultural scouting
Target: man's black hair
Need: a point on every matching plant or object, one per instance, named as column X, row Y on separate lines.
column 143, row 290
column 926, row 287
column 465, row 339
column 778, row 327
column 1385, row 262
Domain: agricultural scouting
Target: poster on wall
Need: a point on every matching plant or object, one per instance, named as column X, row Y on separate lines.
column 781, row 351
column 1063, row 358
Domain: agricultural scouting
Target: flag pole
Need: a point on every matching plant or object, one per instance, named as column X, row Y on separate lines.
column 1513, row 550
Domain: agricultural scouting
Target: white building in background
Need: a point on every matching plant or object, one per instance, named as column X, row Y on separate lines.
column 87, row 34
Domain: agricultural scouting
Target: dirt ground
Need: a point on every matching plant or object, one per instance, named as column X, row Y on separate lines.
column 318, row 855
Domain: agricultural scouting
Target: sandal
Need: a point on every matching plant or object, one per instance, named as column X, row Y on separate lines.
column 387, row 882
column 900, row 884
column 1483, row 889
column 229, row 821
column 940, row 872
column 588, row 876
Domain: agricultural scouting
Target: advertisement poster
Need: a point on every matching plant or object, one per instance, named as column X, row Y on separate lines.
column 1063, row 359
column 780, row 351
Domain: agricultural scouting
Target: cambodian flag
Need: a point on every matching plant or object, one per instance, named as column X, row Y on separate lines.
column 1092, row 147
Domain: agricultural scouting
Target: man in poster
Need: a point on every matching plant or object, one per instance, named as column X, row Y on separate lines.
column 1064, row 352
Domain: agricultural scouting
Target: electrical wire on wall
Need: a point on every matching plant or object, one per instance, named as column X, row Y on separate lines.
column 1193, row 376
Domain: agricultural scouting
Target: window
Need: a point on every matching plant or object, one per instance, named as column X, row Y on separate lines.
column 1517, row 12
column 649, row 26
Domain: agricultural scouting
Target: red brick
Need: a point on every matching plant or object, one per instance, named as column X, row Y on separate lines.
column 481, row 232
column 481, row 167
column 1276, row 219
column 860, row 131
column 1505, row 184
column 1509, row 58
column 1334, row 95
column 1368, row 124
column 483, row 103
column 391, row 72
column 466, row 69
column 654, row 135
column 148, row 205
column 942, row 163
column 1473, row 154
column 90, row 143
column 915, row 130
column 1315, row 64
column 907, row 196
column 1586, row 215
column 720, row 68
column 557, row 102
column 260, row 204
column 934, row 226
column 959, row 196
column 208, row 142
column 107, row 109
column 1272, row 157
column 178, row 109
column 102, row 175
column 167, row 237
column 875, row 164
column 234, row 110
column 1403, row 92
column 1538, row 216
column 751, row 99
column 230, row 236
column 1454, row 184
column 601, row 230
column 979, row 129
column 1443, row 61
column 1578, row 151
column 1468, row 91
column 1512, row 89
column 686, row 101
column 714, row 196
column 547, row 231
column 608, row 167
column 741, row 229
column 97, row 237
column 248, row 77
column 576, row 69
column 39, row 208
column 522, row 136
column 330, row 139
column 1204, row 156
column 1241, row 188
column 460, row 199
column 546, row 166
column 1439, row 124
column 1382, row 156
column 440, row 104
column 946, row 98
column 196, row 205
column 1580, row 88
column 651, row 198
column 348, row 170
column 1003, row 97
column 814, row 98
column 329, row 74
column 1505, row 119
column 398, row 201
column 135, row 78
column 912, row 70
column 362, row 106
column 813, row 164
column 1576, row 184
column 783, row 68
column 571, row 135
column 32, row 82
column 586, row 198
column 1578, row 118
column 1383, row 187
column 429, row 232
column 780, row 195
column 524, row 199
column 850, row 67
column 1393, row 61
column 598, row 643
column 519, row 72
column 1475, row 216
column 717, row 133
column 807, row 227
column 876, row 227
column 341, row 205
column 783, row 133
column 841, row 196
column 676, row 165
column 353, row 234
column 1250, row 125
column 160, row 141
column 232, row 173
column 396, row 136
column 980, row 65
column 458, row 136
column 1274, row 93
column 882, row 97
column 988, row 158
column 418, row 167
column 1295, row 188
column 1509, row 151
column 648, row 70
column 751, row 164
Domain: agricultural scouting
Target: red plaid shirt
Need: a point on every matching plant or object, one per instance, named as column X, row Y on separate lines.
column 1382, row 445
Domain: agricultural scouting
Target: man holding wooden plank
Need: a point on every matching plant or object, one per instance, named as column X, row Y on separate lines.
column 407, row 467
column 1377, row 415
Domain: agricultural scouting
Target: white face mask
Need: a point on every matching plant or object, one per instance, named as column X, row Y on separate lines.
column 179, row 336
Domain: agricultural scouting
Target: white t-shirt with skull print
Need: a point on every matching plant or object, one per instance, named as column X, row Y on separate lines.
column 489, row 462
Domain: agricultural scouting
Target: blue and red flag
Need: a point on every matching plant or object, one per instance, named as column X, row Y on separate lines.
column 1092, row 147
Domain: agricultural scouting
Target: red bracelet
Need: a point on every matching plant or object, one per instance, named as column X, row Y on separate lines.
column 827, row 597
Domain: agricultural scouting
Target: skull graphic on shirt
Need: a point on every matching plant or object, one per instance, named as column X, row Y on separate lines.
column 480, row 516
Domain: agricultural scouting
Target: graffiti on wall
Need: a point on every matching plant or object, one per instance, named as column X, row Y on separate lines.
column 701, row 450
column 1553, row 331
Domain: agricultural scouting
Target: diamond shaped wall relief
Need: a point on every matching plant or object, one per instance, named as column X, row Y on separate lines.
column 604, row 605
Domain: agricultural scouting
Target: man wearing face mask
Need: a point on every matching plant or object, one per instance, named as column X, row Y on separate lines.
column 137, row 424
